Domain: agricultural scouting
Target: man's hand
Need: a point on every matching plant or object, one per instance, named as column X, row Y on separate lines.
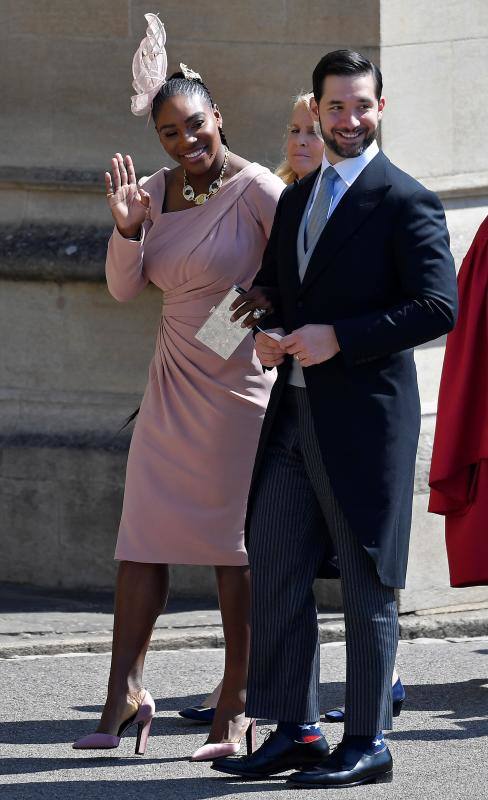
column 311, row 344
column 269, row 350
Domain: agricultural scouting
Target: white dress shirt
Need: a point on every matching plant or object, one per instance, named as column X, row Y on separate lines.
column 348, row 170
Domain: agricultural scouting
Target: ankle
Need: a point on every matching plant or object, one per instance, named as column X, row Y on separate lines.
column 121, row 682
column 233, row 693
column 129, row 693
column 299, row 732
column 367, row 744
column 231, row 703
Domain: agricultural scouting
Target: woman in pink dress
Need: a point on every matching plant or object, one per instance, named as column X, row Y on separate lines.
column 194, row 231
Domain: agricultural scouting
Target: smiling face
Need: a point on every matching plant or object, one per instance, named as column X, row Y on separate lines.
column 349, row 114
column 304, row 148
column 188, row 129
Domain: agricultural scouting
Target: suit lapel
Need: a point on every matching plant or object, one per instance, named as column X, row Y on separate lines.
column 353, row 209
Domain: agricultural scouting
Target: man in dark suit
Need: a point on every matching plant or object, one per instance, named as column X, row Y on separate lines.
column 360, row 269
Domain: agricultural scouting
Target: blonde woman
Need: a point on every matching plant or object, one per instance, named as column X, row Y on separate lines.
column 304, row 145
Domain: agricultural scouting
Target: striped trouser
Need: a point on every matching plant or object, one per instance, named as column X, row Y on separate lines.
column 286, row 547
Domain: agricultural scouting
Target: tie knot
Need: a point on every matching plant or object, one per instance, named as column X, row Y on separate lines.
column 330, row 174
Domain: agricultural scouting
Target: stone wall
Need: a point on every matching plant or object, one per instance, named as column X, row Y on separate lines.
column 435, row 60
column 66, row 70
column 76, row 361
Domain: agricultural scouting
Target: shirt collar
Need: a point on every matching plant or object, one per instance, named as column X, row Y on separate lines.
column 351, row 168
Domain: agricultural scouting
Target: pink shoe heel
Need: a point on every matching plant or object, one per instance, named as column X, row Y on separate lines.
column 106, row 741
column 143, row 729
column 213, row 750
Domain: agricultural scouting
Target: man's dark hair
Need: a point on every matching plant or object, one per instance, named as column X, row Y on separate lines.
column 344, row 62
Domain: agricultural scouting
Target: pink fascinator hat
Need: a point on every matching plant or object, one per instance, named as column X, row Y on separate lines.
column 149, row 66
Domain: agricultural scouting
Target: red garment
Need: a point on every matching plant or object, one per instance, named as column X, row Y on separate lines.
column 459, row 470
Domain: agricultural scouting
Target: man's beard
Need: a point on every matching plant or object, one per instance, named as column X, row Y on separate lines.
column 349, row 152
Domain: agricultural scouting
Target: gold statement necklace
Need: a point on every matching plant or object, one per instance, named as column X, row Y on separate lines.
column 214, row 187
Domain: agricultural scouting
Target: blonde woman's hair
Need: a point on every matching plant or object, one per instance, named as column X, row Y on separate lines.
column 283, row 170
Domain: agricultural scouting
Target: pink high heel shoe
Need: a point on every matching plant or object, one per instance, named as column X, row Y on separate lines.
column 211, row 751
column 106, row 741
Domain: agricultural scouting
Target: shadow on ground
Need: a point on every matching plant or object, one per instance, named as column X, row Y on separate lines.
column 197, row 788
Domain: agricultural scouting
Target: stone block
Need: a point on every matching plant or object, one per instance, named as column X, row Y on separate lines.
column 90, row 493
column 309, row 22
column 55, row 252
column 469, row 112
column 75, row 337
column 436, row 21
column 60, row 510
column 464, row 216
column 427, row 585
column 434, row 67
column 345, row 22
column 81, row 112
column 53, row 207
column 417, row 130
column 29, row 529
column 66, row 19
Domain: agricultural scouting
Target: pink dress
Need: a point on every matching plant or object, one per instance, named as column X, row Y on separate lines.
column 196, row 435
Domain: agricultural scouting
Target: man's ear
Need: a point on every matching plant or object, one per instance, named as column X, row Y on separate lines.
column 314, row 109
column 381, row 105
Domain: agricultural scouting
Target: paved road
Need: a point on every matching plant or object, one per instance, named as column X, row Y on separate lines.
column 440, row 743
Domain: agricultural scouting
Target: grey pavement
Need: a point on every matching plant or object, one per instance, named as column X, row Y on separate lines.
column 439, row 744
column 42, row 622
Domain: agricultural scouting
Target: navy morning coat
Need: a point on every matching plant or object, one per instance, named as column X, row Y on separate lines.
column 383, row 275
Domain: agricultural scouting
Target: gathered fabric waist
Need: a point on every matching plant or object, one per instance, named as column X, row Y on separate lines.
column 194, row 308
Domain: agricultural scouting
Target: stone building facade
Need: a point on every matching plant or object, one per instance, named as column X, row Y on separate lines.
column 73, row 362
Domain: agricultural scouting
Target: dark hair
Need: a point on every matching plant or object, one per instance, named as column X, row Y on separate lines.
column 344, row 62
column 178, row 84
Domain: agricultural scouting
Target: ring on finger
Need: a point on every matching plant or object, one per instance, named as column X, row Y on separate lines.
column 297, row 357
column 258, row 313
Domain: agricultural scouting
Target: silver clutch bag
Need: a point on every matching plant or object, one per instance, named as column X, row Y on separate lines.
column 218, row 332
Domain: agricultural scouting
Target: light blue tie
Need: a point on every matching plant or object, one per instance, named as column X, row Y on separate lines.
column 321, row 207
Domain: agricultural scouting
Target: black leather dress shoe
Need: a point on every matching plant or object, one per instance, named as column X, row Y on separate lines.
column 278, row 753
column 346, row 766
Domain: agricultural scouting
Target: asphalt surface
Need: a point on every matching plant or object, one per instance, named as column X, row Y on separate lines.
column 439, row 744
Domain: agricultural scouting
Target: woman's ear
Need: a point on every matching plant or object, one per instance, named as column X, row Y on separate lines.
column 217, row 115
